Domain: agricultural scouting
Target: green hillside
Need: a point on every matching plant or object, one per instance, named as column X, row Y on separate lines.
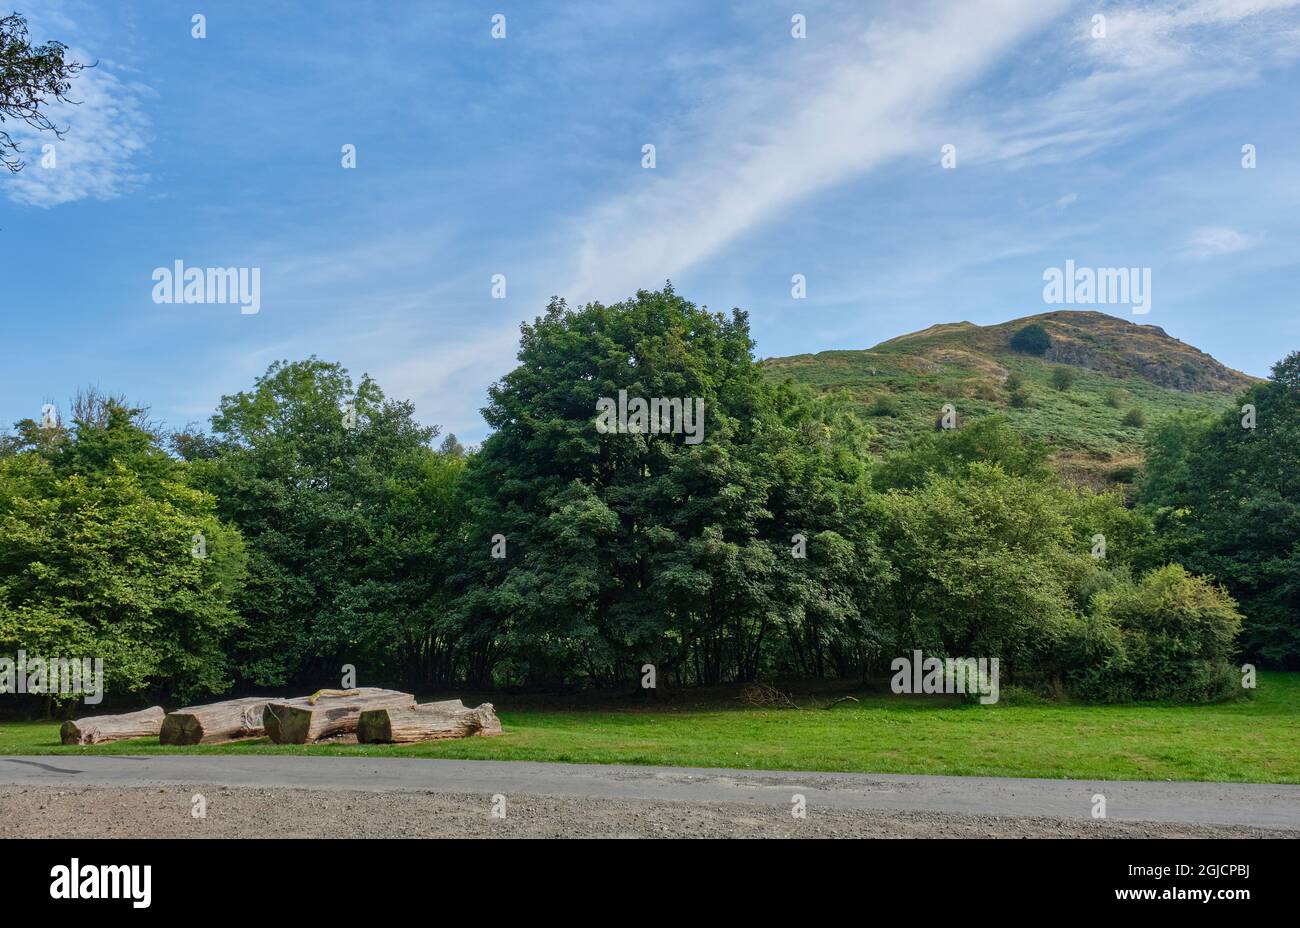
column 1117, row 367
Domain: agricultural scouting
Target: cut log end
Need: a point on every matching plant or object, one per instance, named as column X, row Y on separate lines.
column 327, row 713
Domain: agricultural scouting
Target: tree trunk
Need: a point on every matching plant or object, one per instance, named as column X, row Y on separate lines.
column 299, row 721
column 101, row 729
column 429, row 722
column 218, row 721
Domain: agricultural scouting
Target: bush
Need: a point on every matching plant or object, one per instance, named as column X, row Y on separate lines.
column 1167, row 637
column 1115, row 398
column 1020, row 399
column 1014, row 381
column 1134, row 418
column 1063, row 378
column 885, row 405
column 1032, row 339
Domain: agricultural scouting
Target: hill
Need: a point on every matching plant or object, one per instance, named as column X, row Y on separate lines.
column 1089, row 390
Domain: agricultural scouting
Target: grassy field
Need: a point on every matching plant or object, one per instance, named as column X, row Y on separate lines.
column 1252, row 740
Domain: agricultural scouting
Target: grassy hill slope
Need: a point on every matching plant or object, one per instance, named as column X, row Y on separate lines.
column 1118, row 367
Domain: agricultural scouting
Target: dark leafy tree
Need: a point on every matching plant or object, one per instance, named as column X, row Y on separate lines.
column 1226, row 502
column 1032, row 339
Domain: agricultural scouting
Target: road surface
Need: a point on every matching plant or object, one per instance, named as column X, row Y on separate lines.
column 639, row 797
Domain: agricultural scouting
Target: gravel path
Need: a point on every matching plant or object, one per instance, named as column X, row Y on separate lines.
column 593, row 785
column 285, row 795
column 250, row 812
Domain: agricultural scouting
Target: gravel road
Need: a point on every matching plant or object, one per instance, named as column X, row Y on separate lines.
column 166, row 812
column 284, row 795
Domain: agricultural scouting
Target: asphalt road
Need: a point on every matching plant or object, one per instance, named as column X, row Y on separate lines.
column 1245, row 804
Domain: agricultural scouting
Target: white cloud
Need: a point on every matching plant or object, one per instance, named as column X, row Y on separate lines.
column 1212, row 241
column 1154, row 58
column 105, row 132
column 785, row 141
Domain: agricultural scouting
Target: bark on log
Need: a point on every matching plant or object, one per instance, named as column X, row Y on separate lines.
column 101, row 729
column 429, row 722
column 218, row 721
column 299, row 721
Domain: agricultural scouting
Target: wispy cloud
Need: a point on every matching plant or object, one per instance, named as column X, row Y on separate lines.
column 104, row 132
column 800, row 137
column 1151, row 59
column 1212, row 241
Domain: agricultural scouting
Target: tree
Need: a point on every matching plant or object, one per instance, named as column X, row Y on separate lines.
column 1032, row 339
column 983, row 565
column 952, row 452
column 98, row 537
column 1226, row 503
column 1168, row 636
column 632, row 547
column 30, row 77
column 340, row 497
column 1063, row 378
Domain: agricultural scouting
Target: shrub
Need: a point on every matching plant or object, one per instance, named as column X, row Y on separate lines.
column 1032, row 339
column 1063, row 378
column 1115, row 398
column 1014, row 381
column 1020, row 399
column 1134, row 418
column 1168, row 636
column 885, row 405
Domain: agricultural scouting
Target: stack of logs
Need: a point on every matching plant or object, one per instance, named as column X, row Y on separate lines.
column 374, row 716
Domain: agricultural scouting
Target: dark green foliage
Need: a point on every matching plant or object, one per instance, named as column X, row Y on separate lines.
column 884, row 405
column 1063, row 378
column 340, row 499
column 1226, row 502
column 631, row 548
column 1032, row 339
column 776, row 545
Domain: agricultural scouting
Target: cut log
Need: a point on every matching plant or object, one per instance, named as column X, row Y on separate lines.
column 430, row 722
column 301, row 721
column 101, row 729
column 219, row 721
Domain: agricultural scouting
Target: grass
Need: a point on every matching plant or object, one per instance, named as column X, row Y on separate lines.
column 1256, row 739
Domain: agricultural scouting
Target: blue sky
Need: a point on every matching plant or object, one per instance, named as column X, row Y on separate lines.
column 522, row 156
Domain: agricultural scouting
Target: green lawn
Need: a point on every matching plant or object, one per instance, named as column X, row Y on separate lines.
column 1254, row 740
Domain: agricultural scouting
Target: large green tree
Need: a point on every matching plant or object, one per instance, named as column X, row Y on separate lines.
column 98, row 529
column 1226, row 502
column 342, row 501
column 630, row 547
